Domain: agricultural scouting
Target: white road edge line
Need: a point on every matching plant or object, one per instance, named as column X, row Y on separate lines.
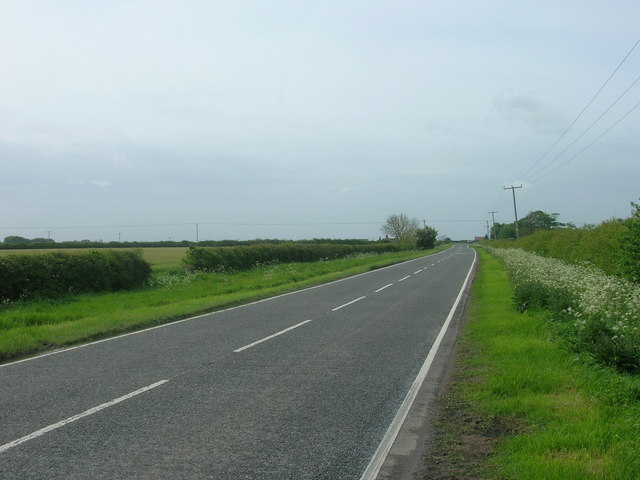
column 348, row 303
column 91, row 411
column 404, row 278
column 270, row 337
column 383, row 449
column 382, row 288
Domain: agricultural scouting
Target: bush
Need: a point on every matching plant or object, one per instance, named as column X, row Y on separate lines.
column 58, row 274
column 426, row 238
column 602, row 246
column 630, row 242
column 600, row 314
column 211, row 259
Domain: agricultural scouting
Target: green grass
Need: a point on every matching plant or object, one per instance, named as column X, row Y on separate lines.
column 571, row 418
column 33, row 326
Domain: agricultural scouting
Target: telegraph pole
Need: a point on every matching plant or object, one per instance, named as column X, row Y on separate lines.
column 493, row 223
column 488, row 231
column 515, row 210
column 197, row 235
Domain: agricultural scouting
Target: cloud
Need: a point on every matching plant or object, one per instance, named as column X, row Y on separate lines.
column 100, row 183
column 95, row 183
column 529, row 110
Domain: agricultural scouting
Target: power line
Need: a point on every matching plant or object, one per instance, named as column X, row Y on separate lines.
column 588, row 128
column 515, row 210
column 493, row 221
column 191, row 224
column 580, row 114
column 589, row 145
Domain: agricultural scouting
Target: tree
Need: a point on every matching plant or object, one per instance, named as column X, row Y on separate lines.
column 14, row 239
column 402, row 229
column 532, row 222
column 503, row 230
column 426, row 238
column 538, row 220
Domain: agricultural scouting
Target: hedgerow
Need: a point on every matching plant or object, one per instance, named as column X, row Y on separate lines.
column 600, row 245
column 598, row 314
column 56, row 274
column 247, row 257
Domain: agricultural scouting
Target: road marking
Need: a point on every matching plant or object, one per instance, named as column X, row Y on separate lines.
column 415, row 273
column 386, row 286
column 212, row 313
column 270, row 337
column 404, row 278
column 383, row 449
column 86, row 413
column 348, row 303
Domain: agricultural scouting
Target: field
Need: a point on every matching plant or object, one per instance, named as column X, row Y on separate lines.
column 32, row 326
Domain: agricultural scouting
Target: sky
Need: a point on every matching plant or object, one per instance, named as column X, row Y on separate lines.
column 140, row 120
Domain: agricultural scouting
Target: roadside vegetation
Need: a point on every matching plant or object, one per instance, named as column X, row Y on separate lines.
column 171, row 293
column 526, row 400
column 56, row 274
column 594, row 313
column 613, row 246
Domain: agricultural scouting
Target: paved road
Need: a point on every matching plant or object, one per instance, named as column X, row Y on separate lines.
column 301, row 386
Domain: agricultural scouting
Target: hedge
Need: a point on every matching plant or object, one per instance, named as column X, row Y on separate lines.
column 58, row 274
column 247, row 257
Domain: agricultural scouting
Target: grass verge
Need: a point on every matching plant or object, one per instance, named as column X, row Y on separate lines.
column 33, row 326
column 521, row 406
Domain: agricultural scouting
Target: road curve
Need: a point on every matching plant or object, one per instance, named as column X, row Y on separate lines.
column 300, row 386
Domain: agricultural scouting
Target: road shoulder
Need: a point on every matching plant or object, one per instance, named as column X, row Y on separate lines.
column 407, row 455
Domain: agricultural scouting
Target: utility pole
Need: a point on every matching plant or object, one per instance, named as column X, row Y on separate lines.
column 515, row 210
column 488, row 231
column 197, row 235
column 424, row 224
column 119, row 234
column 493, row 223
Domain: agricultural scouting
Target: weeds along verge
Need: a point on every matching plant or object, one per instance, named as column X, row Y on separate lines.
column 596, row 313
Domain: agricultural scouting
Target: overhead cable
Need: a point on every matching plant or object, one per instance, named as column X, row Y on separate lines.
column 544, row 155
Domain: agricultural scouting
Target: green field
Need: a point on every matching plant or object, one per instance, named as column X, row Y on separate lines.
column 36, row 325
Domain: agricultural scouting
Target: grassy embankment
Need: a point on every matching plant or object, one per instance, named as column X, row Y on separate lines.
column 33, row 326
column 522, row 406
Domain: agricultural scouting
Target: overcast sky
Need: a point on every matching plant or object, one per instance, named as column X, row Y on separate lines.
column 137, row 119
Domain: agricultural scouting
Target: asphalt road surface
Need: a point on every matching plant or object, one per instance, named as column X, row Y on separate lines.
column 300, row 386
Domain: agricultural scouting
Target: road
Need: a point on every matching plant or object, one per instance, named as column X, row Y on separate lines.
column 300, row 386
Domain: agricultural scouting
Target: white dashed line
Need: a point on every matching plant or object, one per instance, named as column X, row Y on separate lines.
column 348, row 303
column 270, row 337
column 386, row 286
column 404, row 278
column 86, row 413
